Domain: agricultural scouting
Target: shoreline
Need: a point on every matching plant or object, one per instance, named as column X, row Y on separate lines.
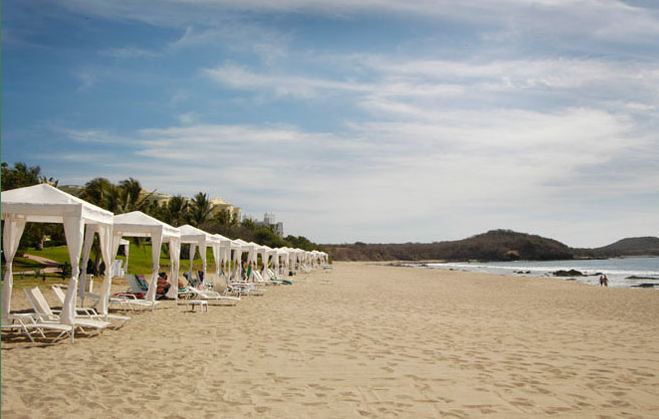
column 621, row 272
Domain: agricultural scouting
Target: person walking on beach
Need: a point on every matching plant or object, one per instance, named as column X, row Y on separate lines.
column 604, row 281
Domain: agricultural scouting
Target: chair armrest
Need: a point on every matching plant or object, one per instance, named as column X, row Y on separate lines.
column 125, row 296
column 86, row 311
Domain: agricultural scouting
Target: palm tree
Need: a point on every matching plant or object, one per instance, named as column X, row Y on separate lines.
column 101, row 192
column 177, row 210
column 22, row 175
column 223, row 217
column 200, row 209
column 131, row 197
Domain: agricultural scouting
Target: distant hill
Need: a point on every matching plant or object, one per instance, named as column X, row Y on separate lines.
column 633, row 246
column 495, row 245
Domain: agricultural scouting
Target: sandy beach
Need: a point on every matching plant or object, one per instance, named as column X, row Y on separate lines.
column 361, row 340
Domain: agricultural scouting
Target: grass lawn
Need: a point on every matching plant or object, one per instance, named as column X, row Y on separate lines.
column 27, row 281
column 59, row 253
column 139, row 261
column 24, row 264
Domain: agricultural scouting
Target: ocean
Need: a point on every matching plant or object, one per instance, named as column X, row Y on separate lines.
column 618, row 270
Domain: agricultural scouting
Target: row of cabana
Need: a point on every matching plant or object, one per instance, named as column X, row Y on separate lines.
column 82, row 221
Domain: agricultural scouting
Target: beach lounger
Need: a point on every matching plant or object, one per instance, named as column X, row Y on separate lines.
column 27, row 325
column 185, row 293
column 276, row 277
column 210, row 295
column 44, row 314
column 259, row 279
column 245, row 288
column 90, row 312
column 136, row 284
column 194, row 282
column 130, row 299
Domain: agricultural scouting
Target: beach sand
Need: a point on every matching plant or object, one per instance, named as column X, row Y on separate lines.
column 361, row 340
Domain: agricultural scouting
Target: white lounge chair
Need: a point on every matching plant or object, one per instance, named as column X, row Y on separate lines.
column 26, row 324
column 44, row 314
column 129, row 300
column 88, row 311
column 210, row 295
column 276, row 277
column 265, row 281
column 247, row 288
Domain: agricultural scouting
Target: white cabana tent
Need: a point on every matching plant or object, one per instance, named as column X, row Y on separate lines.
column 268, row 255
column 257, row 250
column 115, row 268
column 292, row 259
column 200, row 239
column 263, row 251
column 281, row 260
column 238, row 247
column 138, row 224
column 126, row 244
column 224, row 253
column 46, row 204
column 251, row 252
column 316, row 258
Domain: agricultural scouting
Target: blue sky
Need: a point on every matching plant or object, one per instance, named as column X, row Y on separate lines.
column 378, row 121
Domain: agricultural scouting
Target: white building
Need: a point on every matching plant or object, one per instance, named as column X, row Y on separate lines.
column 270, row 220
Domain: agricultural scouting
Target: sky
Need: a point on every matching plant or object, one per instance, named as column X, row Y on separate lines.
column 371, row 120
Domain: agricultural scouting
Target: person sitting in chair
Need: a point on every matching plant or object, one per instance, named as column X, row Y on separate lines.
column 163, row 284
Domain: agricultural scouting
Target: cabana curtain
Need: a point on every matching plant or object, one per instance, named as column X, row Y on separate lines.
column 13, row 230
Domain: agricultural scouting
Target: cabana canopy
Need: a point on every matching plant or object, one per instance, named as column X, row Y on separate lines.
column 281, row 256
column 266, row 254
column 225, row 252
column 46, row 204
column 201, row 239
column 138, row 224
column 239, row 247
column 254, row 252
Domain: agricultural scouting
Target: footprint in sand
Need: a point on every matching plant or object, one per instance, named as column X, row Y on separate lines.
column 262, row 409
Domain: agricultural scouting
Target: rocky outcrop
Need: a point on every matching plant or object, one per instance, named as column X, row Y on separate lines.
column 571, row 272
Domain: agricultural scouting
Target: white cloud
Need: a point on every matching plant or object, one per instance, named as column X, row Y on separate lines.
column 239, row 77
column 598, row 19
column 377, row 173
column 398, row 83
column 90, row 136
column 188, row 118
column 86, row 78
column 128, row 53
column 433, row 142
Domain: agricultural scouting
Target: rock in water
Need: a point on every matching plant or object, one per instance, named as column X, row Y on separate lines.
column 571, row 272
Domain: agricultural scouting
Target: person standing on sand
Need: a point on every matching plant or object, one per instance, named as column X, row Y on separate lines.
column 604, row 281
